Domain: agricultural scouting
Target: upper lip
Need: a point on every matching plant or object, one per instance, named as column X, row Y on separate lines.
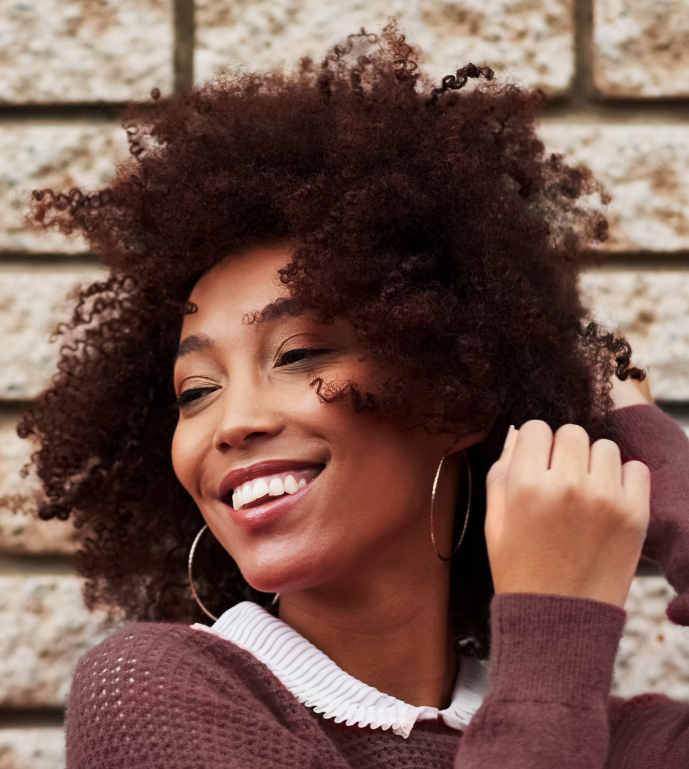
column 267, row 467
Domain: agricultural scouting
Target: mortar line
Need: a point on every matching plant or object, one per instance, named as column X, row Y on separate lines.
column 16, row 717
column 582, row 82
column 184, row 40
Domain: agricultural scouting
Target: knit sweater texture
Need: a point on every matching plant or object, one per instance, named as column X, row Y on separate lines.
column 162, row 696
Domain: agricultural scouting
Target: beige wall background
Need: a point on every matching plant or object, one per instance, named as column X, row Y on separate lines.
column 617, row 76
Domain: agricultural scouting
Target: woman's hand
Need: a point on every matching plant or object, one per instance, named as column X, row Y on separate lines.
column 564, row 517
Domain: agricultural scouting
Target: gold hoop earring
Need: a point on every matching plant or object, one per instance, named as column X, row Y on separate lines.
column 466, row 517
column 191, row 577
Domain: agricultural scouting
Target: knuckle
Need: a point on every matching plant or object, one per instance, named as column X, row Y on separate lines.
column 535, row 427
column 526, row 489
column 496, row 472
column 570, row 490
column 606, row 505
column 606, row 447
column 639, row 469
column 573, row 432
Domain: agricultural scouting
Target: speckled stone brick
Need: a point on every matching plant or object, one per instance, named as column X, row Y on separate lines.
column 641, row 48
column 646, row 170
column 653, row 654
column 84, row 50
column 32, row 748
column 32, row 303
column 20, row 530
column 56, row 156
column 530, row 41
column 651, row 310
column 45, row 628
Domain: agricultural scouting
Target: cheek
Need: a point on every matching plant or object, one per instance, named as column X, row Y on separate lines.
column 187, row 452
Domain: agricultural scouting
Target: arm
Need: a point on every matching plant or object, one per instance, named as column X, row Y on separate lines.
column 646, row 433
column 548, row 705
column 650, row 731
column 565, row 524
column 550, row 672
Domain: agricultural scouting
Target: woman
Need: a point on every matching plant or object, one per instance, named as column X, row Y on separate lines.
column 350, row 284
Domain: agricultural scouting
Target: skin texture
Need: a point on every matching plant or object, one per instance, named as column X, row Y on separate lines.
column 353, row 560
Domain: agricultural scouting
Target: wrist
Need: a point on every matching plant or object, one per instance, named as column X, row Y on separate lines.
column 553, row 648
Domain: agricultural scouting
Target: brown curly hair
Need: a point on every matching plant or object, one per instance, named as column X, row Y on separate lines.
column 430, row 217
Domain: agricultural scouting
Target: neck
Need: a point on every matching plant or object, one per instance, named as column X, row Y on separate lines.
column 393, row 635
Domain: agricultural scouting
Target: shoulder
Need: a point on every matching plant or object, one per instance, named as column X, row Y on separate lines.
column 153, row 656
column 140, row 643
column 168, row 682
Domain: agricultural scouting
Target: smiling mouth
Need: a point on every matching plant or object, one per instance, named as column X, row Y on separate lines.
column 260, row 490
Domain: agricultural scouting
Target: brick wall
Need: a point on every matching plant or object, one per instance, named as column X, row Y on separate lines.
column 617, row 76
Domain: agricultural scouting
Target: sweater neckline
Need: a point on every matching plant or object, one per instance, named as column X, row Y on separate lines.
column 319, row 683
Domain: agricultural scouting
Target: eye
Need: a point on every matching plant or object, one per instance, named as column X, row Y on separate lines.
column 192, row 394
column 295, row 356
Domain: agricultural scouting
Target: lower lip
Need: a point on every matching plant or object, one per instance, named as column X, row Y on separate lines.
column 255, row 517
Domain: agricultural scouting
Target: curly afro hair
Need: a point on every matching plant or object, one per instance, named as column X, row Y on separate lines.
column 428, row 216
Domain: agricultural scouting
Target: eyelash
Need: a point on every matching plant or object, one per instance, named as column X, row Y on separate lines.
column 194, row 393
column 307, row 352
column 191, row 395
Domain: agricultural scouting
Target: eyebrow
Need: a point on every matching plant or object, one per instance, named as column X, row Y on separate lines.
column 281, row 308
column 193, row 343
column 276, row 310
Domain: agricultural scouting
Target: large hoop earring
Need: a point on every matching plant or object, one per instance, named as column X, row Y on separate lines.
column 191, row 576
column 466, row 517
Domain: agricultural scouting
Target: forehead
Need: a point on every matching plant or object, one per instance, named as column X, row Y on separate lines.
column 239, row 285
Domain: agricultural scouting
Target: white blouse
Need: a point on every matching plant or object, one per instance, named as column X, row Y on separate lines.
column 317, row 682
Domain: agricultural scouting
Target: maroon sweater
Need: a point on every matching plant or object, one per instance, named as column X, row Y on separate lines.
column 159, row 696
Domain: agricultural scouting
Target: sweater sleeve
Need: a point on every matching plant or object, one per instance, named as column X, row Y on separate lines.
column 650, row 731
column 548, row 702
column 651, row 436
column 550, row 675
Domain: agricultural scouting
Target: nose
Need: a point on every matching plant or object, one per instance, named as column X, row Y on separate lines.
column 248, row 415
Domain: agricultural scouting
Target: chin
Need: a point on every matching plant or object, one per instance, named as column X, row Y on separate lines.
column 282, row 572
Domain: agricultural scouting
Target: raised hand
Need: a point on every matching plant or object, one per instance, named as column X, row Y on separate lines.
column 565, row 517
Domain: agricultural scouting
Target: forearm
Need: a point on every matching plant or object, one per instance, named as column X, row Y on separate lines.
column 550, row 674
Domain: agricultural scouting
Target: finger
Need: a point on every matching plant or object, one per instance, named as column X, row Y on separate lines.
column 508, row 448
column 636, row 481
column 570, row 451
column 605, row 462
column 531, row 452
column 498, row 472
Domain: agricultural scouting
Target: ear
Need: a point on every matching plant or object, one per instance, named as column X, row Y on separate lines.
column 467, row 440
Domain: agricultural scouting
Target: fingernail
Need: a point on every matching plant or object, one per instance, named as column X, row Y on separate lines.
column 509, row 437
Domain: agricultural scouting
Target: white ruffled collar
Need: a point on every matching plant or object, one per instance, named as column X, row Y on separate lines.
column 317, row 682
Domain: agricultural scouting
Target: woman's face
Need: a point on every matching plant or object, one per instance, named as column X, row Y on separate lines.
column 327, row 496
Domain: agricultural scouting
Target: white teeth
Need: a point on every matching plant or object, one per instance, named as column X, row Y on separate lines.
column 276, row 488
column 247, row 492
column 291, row 486
column 260, row 488
column 252, row 490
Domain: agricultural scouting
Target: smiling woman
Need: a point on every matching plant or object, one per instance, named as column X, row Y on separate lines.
column 331, row 294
